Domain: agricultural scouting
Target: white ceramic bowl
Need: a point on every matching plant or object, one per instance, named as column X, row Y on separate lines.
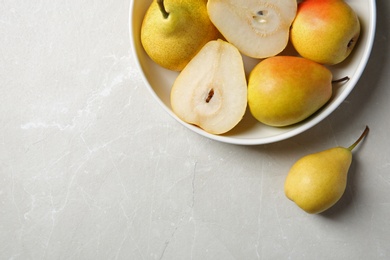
column 249, row 131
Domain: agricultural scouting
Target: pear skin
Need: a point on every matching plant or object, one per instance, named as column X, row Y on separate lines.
column 174, row 32
column 284, row 90
column 325, row 31
column 317, row 181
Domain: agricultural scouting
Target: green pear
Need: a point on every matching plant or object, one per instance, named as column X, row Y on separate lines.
column 317, row 181
column 259, row 29
column 325, row 31
column 284, row 90
column 173, row 31
column 211, row 91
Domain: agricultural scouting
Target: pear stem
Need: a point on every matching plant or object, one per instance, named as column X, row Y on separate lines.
column 359, row 139
column 162, row 8
column 346, row 78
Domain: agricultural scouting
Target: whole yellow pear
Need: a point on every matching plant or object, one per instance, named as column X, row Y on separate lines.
column 325, row 31
column 317, row 181
column 284, row 90
column 173, row 31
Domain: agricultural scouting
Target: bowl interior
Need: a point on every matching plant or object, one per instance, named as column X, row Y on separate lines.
column 249, row 131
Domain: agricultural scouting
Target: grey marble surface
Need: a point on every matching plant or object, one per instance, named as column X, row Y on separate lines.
column 91, row 167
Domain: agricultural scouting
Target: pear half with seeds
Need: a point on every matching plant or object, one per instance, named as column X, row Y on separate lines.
column 258, row 28
column 211, row 91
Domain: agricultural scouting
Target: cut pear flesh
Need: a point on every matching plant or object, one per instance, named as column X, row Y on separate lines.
column 259, row 29
column 211, row 91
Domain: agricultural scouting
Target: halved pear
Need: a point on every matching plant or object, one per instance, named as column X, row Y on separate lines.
column 211, row 91
column 258, row 28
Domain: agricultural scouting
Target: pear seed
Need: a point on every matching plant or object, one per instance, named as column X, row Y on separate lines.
column 260, row 16
column 210, row 95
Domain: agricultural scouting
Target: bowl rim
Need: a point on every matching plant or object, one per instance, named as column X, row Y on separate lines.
column 371, row 29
